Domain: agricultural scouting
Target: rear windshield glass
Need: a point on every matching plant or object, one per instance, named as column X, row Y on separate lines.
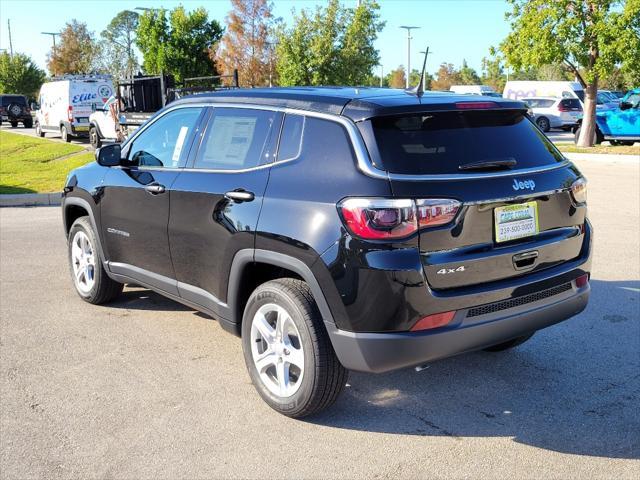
column 8, row 99
column 440, row 142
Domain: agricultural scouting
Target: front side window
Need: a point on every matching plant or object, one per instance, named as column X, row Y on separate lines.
column 236, row 139
column 163, row 144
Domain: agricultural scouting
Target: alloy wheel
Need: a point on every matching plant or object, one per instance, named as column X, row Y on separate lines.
column 83, row 261
column 276, row 349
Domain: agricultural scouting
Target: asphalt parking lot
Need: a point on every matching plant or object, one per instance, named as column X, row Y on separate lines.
column 147, row 388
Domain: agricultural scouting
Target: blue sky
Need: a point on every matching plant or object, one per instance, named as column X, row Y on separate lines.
column 453, row 29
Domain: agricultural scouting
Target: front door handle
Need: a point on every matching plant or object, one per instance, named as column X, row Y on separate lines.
column 155, row 189
column 240, row 195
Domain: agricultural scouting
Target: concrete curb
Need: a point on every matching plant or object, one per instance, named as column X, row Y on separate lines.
column 603, row 157
column 30, row 199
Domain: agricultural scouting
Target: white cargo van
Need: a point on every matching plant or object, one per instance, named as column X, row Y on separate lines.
column 519, row 89
column 474, row 90
column 65, row 104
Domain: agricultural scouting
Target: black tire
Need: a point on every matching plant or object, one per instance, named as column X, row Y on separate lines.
column 510, row 344
column 64, row 134
column 14, row 124
column 543, row 124
column 324, row 377
column 597, row 136
column 94, row 138
column 28, row 124
column 39, row 131
column 104, row 289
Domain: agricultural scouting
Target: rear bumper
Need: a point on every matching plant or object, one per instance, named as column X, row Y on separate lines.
column 381, row 352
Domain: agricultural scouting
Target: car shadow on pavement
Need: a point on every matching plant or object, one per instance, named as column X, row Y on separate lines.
column 573, row 388
column 140, row 298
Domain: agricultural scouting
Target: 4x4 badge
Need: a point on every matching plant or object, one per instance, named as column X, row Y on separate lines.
column 444, row 271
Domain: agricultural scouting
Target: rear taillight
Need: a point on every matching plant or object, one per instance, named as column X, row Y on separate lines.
column 579, row 190
column 562, row 108
column 393, row 219
column 582, row 281
column 433, row 321
column 70, row 113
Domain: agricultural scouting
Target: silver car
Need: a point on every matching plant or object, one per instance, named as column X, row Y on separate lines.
column 552, row 112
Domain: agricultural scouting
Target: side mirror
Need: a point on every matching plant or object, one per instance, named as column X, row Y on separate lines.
column 34, row 106
column 109, row 155
column 625, row 106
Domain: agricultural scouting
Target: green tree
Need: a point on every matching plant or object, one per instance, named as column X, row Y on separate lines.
column 76, row 51
column 18, row 74
column 333, row 45
column 493, row 73
column 181, row 43
column 117, row 50
column 468, row 75
column 590, row 37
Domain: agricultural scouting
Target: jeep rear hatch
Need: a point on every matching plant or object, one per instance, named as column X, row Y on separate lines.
column 517, row 212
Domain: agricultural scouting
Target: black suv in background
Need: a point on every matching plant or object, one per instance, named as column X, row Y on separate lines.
column 338, row 228
column 15, row 109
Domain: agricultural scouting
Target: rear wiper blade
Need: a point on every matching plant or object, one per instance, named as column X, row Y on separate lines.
column 508, row 162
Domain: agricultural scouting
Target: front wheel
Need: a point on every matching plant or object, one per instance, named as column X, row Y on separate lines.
column 39, row 131
column 89, row 276
column 287, row 350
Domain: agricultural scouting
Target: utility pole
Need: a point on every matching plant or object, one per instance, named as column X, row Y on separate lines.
column 10, row 42
column 408, row 52
column 53, row 35
column 424, row 79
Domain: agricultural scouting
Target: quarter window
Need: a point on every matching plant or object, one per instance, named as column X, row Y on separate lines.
column 291, row 137
column 236, row 139
column 164, row 143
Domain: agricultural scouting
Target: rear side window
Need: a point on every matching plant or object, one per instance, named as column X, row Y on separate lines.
column 539, row 102
column 291, row 137
column 235, row 139
column 573, row 103
column 440, row 142
column 9, row 99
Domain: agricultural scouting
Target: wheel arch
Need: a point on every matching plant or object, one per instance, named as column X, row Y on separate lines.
column 74, row 208
column 242, row 282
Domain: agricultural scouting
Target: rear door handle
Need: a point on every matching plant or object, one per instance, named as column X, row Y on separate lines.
column 155, row 189
column 240, row 195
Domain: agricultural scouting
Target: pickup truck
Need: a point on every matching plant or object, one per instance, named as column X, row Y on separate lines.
column 621, row 125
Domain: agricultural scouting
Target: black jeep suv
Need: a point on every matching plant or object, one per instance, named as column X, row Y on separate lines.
column 15, row 109
column 338, row 228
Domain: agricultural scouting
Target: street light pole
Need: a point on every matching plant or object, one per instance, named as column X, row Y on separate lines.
column 408, row 52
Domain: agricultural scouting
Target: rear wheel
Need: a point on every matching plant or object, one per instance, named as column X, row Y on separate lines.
column 89, row 276
column 597, row 136
column 543, row 123
column 28, row 123
column 510, row 344
column 94, row 138
column 14, row 124
column 64, row 134
column 287, row 349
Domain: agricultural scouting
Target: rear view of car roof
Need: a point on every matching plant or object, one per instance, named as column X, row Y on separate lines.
column 357, row 103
